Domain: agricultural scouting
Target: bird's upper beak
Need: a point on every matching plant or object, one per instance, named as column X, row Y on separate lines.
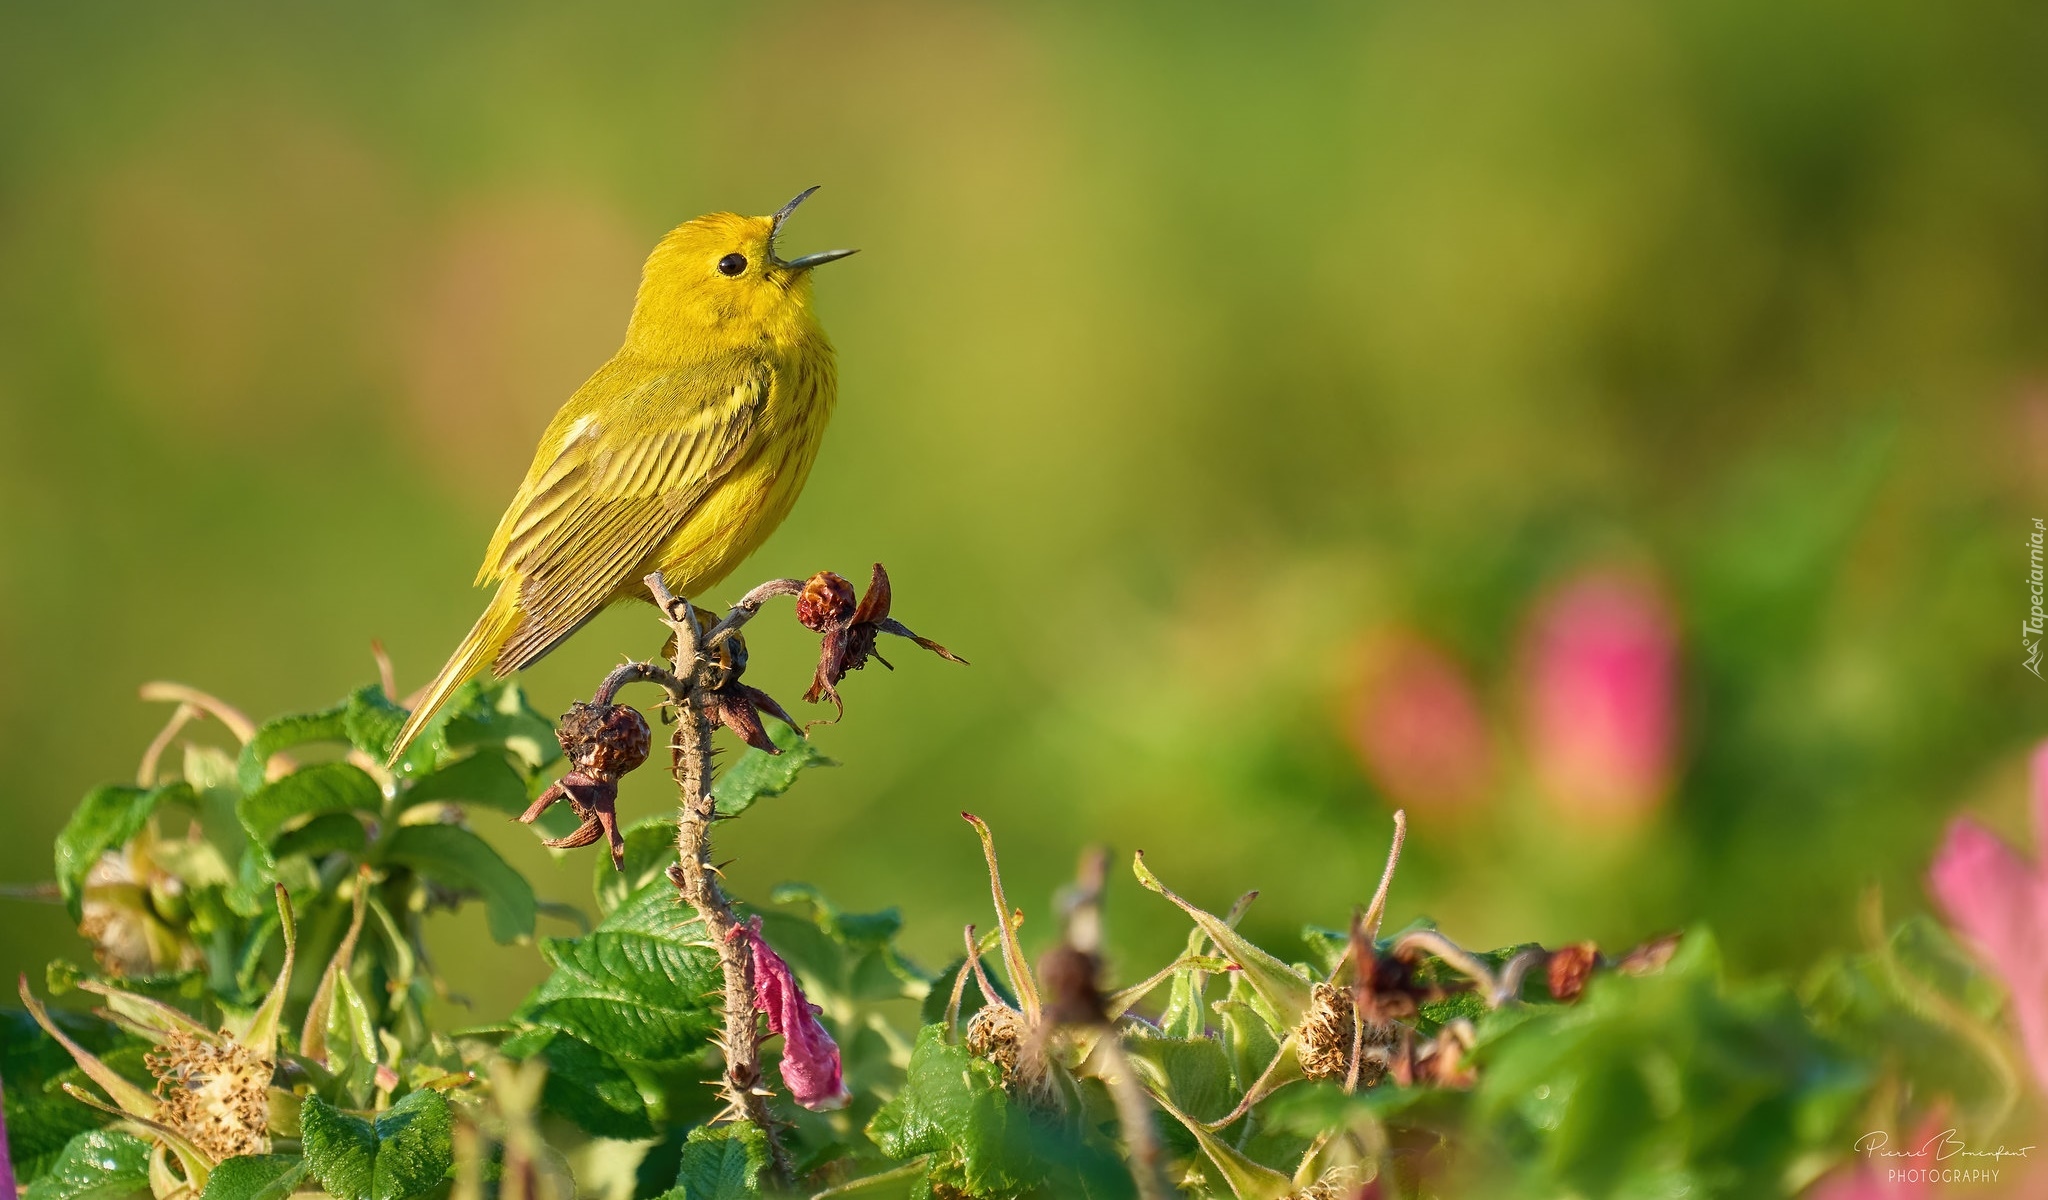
column 805, row 262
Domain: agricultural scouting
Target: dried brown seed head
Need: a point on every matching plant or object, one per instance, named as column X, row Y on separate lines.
column 996, row 1034
column 826, row 602
column 215, row 1091
column 1325, row 1032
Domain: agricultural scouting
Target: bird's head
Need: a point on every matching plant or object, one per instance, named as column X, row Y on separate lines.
column 717, row 279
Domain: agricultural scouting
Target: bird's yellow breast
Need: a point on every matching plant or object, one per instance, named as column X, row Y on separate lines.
column 748, row 505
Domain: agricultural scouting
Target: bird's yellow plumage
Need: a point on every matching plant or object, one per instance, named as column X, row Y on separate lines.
column 682, row 454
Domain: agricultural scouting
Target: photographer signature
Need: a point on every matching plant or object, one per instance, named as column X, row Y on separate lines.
column 1941, row 1147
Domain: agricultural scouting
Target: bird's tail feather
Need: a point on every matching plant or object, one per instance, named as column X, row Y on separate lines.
column 486, row 638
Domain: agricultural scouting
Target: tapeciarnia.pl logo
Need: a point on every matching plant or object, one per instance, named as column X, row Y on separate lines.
column 2031, row 628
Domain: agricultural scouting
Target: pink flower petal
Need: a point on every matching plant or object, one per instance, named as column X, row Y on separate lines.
column 810, row 1058
column 1999, row 903
column 1601, row 700
column 1417, row 726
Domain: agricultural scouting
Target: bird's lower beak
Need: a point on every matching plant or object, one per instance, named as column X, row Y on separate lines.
column 819, row 259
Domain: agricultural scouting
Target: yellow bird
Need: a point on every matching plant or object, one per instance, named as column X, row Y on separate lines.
column 680, row 455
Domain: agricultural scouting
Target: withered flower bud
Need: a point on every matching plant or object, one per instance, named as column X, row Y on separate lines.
column 825, row 603
column 603, row 742
column 1067, row 979
column 605, row 739
column 1570, row 967
column 848, row 638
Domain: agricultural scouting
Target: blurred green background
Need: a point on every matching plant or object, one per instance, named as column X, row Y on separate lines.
column 1192, row 349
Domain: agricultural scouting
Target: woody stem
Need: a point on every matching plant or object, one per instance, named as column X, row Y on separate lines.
column 697, row 878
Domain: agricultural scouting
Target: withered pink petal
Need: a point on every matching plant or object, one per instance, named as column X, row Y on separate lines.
column 1999, row 903
column 810, row 1058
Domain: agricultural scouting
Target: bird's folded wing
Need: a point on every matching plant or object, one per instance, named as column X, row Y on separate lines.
column 615, row 488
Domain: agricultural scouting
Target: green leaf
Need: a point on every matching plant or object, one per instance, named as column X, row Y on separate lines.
column 642, row 985
column 282, row 733
column 758, row 774
column 650, row 848
column 372, row 721
column 1653, row 1081
column 723, row 1162
column 41, row 1120
column 405, row 1151
column 851, row 955
column 255, row 1177
column 1193, row 1073
column 585, row 1084
column 499, row 715
column 486, row 778
column 952, row 1106
column 100, row 1164
column 323, row 835
column 308, row 791
column 105, row 820
column 350, row 1017
column 455, row 857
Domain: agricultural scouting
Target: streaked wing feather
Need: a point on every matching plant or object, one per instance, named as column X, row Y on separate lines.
column 597, row 511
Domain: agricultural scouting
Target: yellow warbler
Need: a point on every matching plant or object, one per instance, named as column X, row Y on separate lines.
column 682, row 454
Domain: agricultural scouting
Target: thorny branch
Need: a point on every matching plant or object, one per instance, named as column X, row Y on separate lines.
column 604, row 740
column 693, row 873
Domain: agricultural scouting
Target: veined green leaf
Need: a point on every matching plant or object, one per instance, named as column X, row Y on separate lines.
column 756, row 774
column 99, row 1164
column 406, row 1151
column 308, row 791
column 498, row 715
column 485, row 778
column 650, row 848
column 584, row 1084
column 108, row 818
column 371, row 721
column 457, row 858
column 255, row 1177
column 41, row 1121
column 723, row 1162
column 282, row 733
column 642, row 985
column 322, row 836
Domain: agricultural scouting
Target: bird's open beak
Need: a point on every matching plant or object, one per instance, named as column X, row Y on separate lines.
column 808, row 261
column 811, row 260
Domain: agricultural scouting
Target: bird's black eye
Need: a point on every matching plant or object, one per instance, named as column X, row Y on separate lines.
column 733, row 264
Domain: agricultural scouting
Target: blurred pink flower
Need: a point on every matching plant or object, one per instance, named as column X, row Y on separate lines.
column 1999, row 902
column 810, row 1058
column 1601, row 702
column 1416, row 724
